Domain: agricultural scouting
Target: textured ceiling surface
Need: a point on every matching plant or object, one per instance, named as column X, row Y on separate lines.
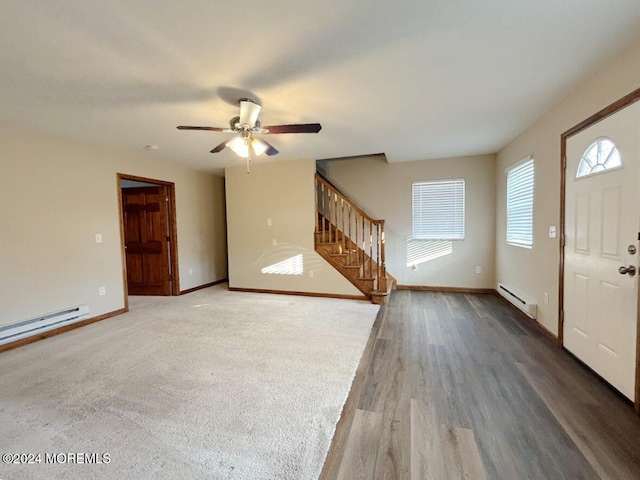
column 414, row 79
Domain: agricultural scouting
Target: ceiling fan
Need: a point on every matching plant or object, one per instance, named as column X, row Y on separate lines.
column 247, row 125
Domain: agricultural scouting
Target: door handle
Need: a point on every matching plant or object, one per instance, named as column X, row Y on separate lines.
column 630, row 270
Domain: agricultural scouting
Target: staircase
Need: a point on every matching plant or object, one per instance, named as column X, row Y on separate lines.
column 352, row 242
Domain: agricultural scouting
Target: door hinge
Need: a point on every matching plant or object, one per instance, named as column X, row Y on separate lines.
column 561, row 316
column 563, row 240
column 564, row 162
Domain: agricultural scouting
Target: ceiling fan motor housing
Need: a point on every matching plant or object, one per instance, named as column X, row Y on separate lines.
column 235, row 125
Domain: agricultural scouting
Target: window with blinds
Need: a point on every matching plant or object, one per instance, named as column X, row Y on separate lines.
column 438, row 210
column 520, row 181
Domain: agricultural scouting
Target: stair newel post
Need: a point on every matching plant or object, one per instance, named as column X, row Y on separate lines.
column 383, row 269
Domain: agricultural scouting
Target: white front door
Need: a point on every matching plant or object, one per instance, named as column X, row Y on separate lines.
column 602, row 228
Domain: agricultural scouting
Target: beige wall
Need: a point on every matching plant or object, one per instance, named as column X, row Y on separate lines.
column 536, row 271
column 384, row 191
column 284, row 193
column 56, row 195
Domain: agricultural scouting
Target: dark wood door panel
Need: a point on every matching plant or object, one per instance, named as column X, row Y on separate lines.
column 135, row 276
column 136, row 207
column 135, row 248
column 145, row 226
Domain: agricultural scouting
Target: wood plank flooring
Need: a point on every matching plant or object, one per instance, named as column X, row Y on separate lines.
column 461, row 386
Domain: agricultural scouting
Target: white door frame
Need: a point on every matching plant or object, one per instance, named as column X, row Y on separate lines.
column 602, row 114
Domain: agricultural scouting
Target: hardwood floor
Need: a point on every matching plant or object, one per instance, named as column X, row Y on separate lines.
column 459, row 385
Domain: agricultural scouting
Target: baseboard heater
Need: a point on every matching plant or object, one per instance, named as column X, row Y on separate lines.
column 519, row 300
column 44, row 323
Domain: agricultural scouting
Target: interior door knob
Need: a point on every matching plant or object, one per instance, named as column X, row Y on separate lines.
column 630, row 270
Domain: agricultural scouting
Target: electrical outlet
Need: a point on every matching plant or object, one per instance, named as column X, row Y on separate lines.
column 478, row 269
column 191, row 271
column 274, row 242
column 310, row 273
column 98, row 238
column 546, row 298
column 102, row 291
column 269, row 222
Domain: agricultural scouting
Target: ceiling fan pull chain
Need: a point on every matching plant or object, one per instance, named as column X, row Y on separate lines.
column 247, row 141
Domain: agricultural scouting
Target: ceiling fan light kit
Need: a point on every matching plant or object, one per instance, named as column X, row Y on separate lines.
column 240, row 146
column 247, row 125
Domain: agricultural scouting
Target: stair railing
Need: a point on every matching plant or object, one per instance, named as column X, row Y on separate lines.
column 358, row 236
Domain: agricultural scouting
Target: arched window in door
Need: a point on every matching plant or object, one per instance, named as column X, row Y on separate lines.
column 600, row 156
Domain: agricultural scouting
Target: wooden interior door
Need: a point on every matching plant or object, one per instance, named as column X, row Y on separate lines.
column 601, row 260
column 146, row 240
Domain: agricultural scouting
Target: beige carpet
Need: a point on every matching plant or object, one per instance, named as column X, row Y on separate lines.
column 210, row 385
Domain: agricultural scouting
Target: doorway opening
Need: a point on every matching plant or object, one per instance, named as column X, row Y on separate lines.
column 148, row 236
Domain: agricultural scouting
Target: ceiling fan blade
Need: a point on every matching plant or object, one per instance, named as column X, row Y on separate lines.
column 296, row 128
column 249, row 112
column 220, row 147
column 212, row 129
column 271, row 150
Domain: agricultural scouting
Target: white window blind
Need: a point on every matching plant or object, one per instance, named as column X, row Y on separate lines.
column 438, row 210
column 520, row 180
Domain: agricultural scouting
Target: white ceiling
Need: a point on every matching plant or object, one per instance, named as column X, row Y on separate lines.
column 414, row 79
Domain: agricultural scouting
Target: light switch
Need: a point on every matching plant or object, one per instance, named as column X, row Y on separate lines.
column 268, row 222
column 98, row 238
column 552, row 231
